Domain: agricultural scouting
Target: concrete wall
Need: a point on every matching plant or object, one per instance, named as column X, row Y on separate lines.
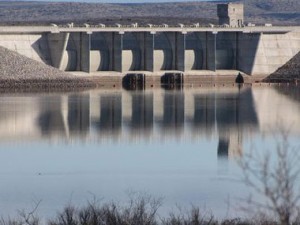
column 34, row 46
column 169, row 51
column 163, row 52
column 195, row 51
column 226, row 48
column 211, row 51
column 100, row 53
column 253, row 53
column 264, row 53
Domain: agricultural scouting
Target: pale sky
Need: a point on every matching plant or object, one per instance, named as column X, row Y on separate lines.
column 116, row 1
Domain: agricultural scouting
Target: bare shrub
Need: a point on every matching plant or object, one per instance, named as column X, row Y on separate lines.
column 139, row 211
column 192, row 217
column 25, row 217
column 273, row 176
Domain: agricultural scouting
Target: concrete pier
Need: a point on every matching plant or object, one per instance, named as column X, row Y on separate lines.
column 188, row 49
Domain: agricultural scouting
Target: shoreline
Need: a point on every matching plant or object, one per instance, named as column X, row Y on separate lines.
column 116, row 82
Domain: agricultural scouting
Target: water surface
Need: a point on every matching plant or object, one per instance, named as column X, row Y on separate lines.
column 181, row 145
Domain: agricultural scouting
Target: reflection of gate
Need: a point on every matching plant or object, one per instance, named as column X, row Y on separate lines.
column 79, row 113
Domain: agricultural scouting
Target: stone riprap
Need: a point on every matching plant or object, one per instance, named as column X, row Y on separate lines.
column 288, row 72
column 20, row 72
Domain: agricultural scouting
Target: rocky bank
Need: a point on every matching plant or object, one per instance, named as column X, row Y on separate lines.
column 288, row 72
column 20, row 72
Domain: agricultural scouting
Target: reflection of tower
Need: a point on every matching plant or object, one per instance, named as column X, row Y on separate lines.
column 230, row 145
column 142, row 110
column 235, row 115
column 173, row 109
column 235, row 145
column 51, row 119
column 204, row 114
column 227, row 116
column 79, row 113
column 111, row 113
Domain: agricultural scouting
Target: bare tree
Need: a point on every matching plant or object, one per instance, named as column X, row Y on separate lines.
column 274, row 175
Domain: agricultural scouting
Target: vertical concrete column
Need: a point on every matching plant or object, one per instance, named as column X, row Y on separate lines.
column 149, row 52
column 226, row 51
column 140, row 55
column 114, row 42
column 138, row 48
column 211, row 48
column 172, row 38
column 163, row 51
column 117, row 47
column 109, row 39
column 85, row 46
column 57, row 43
column 179, row 51
column 74, row 50
column 177, row 42
column 248, row 52
column 237, row 50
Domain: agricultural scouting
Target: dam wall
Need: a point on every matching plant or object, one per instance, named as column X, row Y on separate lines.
column 264, row 53
column 253, row 51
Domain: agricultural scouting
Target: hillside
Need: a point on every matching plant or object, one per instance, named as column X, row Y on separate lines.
column 279, row 12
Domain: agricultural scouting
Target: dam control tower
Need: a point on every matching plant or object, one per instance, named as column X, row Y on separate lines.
column 231, row 14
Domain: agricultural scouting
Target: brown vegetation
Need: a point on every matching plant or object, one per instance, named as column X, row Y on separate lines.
column 256, row 11
column 142, row 211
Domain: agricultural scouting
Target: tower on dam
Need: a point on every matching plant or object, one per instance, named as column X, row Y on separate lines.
column 231, row 14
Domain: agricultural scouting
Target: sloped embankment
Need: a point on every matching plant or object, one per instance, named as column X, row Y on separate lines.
column 18, row 72
column 288, row 72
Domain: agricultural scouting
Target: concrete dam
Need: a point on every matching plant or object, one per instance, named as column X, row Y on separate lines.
column 252, row 50
column 157, row 49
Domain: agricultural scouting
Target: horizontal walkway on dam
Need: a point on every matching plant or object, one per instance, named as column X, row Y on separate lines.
column 132, row 28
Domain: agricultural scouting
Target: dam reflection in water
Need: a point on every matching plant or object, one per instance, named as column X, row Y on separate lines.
column 169, row 142
column 226, row 114
column 229, row 114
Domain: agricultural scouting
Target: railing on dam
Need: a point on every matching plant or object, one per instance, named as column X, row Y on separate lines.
column 138, row 28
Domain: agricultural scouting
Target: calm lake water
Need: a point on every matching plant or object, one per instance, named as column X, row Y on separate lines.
column 181, row 145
